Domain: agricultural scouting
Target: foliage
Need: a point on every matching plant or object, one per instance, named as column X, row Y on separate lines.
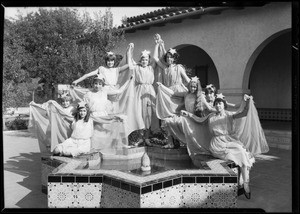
column 56, row 46
column 17, row 124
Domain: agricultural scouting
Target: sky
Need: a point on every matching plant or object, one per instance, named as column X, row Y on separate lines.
column 118, row 12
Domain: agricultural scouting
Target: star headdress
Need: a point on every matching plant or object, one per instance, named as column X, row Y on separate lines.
column 172, row 51
column 145, row 53
column 110, row 53
column 64, row 94
column 81, row 104
column 194, row 79
column 210, row 86
column 220, row 95
column 99, row 76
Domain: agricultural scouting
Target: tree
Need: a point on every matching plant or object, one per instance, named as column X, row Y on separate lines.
column 56, row 46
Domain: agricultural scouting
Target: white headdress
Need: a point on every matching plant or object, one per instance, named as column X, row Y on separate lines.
column 64, row 94
column 100, row 77
column 194, row 79
column 110, row 53
column 145, row 53
column 172, row 51
column 81, row 104
column 220, row 95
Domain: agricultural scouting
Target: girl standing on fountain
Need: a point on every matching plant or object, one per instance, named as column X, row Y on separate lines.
column 82, row 131
column 173, row 74
column 145, row 96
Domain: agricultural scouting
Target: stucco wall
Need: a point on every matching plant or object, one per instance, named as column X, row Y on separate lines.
column 229, row 39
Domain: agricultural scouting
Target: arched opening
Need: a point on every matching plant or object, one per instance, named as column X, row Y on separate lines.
column 270, row 78
column 198, row 63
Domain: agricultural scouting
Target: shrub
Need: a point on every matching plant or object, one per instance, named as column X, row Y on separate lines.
column 17, row 124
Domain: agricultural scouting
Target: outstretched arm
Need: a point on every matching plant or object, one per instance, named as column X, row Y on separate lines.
column 92, row 73
column 194, row 117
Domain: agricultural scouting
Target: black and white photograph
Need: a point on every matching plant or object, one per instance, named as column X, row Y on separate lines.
column 186, row 106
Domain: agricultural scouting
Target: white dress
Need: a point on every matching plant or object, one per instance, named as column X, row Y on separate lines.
column 80, row 140
column 144, row 94
column 111, row 76
column 98, row 103
column 223, row 144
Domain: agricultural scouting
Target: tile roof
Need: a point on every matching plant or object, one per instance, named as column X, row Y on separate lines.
column 170, row 14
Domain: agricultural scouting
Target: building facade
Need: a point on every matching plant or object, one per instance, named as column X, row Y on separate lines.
column 238, row 49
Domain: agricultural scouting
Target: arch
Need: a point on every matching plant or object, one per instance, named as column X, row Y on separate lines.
column 199, row 63
column 255, row 54
column 271, row 74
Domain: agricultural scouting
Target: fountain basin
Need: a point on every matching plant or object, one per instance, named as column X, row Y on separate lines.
column 168, row 184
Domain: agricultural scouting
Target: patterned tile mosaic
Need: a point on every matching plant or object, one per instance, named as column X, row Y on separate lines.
column 71, row 186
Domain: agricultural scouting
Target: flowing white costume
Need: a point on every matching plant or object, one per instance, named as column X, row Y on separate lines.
column 145, row 97
column 108, row 134
column 111, row 76
column 80, row 140
column 196, row 133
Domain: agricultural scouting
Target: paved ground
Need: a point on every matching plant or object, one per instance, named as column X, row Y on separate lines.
column 270, row 177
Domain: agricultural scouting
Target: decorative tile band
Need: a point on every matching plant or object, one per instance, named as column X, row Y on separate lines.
column 140, row 189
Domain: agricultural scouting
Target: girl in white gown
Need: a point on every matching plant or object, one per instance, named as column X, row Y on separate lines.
column 194, row 100
column 82, row 131
column 227, row 142
column 145, row 96
column 173, row 75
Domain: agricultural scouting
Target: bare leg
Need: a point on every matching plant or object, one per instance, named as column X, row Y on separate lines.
column 245, row 175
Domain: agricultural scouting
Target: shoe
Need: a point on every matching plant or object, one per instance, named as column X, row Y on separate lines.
column 168, row 146
column 247, row 191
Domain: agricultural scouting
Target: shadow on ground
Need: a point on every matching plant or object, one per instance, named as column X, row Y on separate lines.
column 28, row 165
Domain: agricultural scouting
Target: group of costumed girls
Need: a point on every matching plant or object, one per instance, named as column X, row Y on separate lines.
column 151, row 94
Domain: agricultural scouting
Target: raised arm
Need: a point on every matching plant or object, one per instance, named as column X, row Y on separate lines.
column 183, row 75
column 129, row 55
column 206, row 105
column 92, row 73
column 245, row 110
column 124, row 67
column 158, row 44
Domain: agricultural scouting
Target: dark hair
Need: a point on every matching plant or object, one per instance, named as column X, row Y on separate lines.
column 95, row 80
column 144, row 57
column 210, row 90
column 218, row 100
column 175, row 56
column 110, row 57
column 77, row 116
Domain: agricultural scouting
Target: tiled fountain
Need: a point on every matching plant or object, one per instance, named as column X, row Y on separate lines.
column 100, row 180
